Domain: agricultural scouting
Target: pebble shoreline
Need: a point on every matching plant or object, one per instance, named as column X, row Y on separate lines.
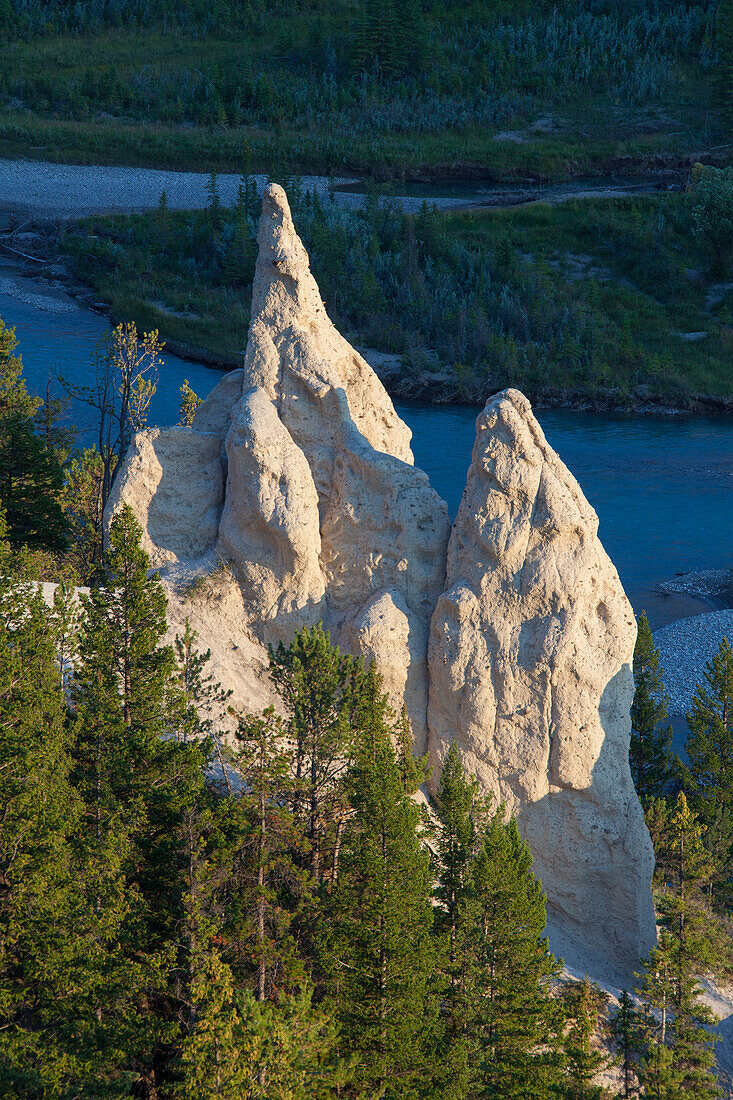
column 685, row 647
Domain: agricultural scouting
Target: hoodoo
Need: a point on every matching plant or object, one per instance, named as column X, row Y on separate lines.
column 531, row 652
column 324, row 516
column 298, row 478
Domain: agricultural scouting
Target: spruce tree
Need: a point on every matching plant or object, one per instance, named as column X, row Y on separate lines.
column 709, row 744
column 376, row 951
column 680, row 1057
column 190, row 402
column 692, row 943
column 219, row 1056
column 708, row 777
column 627, row 1031
column 70, row 1021
column 14, row 397
column 267, row 885
column 461, row 812
column 143, row 787
column 31, row 483
column 650, row 751
column 239, row 1047
column 584, row 1060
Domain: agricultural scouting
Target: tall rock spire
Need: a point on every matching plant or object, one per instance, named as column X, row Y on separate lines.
column 298, row 475
column 531, row 652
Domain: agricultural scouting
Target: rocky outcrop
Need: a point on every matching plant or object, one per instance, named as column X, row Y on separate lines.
column 173, row 479
column 324, row 517
column 530, row 657
column 294, row 499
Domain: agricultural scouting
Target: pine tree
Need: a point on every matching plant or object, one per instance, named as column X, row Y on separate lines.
column 515, row 1016
column 143, row 787
column 201, row 700
column 650, row 752
column 31, row 479
column 376, row 951
column 69, row 1010
column 31, row 483
column 627, row 1030
column 657, row 1073
column 239, row 1047
column 82, row 504
column 461, row 812
column 190, row 402
column 708, row 777
column 269, row 885
column 584, row 1061
column 219, row 1057
column 318, row 686
column 692, row 942
column 709, row 744
column 14, row 397
column 680, row 1058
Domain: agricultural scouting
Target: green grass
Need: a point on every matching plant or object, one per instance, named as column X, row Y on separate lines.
column 587, row 298
column 576, row 89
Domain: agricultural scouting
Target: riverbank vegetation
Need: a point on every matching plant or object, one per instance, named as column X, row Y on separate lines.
column 615, row 301
column 382, row 88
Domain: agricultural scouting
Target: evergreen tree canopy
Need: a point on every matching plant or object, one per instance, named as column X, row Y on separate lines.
column 709, row 744
column 376, row 950
column 69, row 1022
column 131, row 766
column 31, row 479
column 319, row 687
column 650, row 752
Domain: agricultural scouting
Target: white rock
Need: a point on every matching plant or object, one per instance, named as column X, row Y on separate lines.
column 214, row 414
column 325, row 511
column 324, row 517
column 269, row 527
column 530, row 670
column 173, row 480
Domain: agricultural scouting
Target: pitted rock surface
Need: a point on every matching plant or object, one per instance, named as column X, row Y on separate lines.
column 531, row 650
column 294, row 500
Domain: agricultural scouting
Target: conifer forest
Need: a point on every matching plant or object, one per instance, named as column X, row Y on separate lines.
column 201, row 900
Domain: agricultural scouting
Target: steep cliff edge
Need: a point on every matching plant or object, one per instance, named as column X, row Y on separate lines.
column 531, row 651
column 294, row 499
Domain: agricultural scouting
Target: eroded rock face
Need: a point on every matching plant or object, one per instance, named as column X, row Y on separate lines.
column 294, row 499
column 324, row 516
column 173, row 480
column 530, row 657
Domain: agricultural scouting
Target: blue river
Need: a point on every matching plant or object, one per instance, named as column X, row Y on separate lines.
column 662, row 486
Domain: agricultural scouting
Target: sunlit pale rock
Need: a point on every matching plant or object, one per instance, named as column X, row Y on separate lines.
column 530, row 659
column 295, row 500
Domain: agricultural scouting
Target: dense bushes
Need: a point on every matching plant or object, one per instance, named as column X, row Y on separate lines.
column 586, row 296
column 384, row 67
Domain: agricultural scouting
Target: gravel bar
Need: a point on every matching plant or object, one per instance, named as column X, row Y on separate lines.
column 42, row 189
column 685, row 647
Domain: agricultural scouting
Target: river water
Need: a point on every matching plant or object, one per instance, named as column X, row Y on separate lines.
column 662, row 487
